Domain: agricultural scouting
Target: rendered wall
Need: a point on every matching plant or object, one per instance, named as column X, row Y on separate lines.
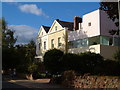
column 94, row 19
column 108, row 51
column 106, row 24
column 55, row 36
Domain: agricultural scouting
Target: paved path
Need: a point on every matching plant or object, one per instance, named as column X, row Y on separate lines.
column 29, row 85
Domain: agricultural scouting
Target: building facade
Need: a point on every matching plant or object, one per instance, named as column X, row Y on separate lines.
column 90, row 33
column 55, row 37
column 93, row 34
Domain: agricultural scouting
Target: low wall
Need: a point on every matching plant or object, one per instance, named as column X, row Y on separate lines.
column 94, row 82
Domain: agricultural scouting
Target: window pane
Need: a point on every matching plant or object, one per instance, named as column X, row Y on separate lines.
column 104, row 40
column 94, row 40
column 52, row 43
column 44, row 45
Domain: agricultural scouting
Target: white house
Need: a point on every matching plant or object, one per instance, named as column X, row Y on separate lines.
column 42, row 41
column 92, row 33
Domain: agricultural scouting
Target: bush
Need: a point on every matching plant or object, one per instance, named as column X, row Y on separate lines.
column 68, row 77
column 52, row 61
column 117, row 56
column 89, row 61
column 56, row 63
column 69, row 62
column 110, row 67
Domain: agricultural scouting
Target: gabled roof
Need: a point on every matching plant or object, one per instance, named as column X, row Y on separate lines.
column 46, row 28
column 69, row 25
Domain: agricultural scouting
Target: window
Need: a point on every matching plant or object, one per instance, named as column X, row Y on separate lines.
column 104, row 40
column 89, row 24
column 59, row 44
column 111, row 41
column 94, row 40
column 52, row 43
column 39, row 46
column 44, row 45
column 55, row 28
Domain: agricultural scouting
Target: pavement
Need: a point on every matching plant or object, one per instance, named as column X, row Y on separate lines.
column 24, row 84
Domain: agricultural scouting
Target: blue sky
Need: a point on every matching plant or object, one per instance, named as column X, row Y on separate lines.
column 26, row 17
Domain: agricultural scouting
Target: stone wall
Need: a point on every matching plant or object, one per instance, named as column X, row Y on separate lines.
column 93, row 82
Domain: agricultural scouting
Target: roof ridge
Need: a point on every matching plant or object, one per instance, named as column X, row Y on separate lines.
column 45, row 26
column 66, row 21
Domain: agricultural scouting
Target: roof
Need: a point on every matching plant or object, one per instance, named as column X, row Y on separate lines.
column 46, row 28
column 69, row 25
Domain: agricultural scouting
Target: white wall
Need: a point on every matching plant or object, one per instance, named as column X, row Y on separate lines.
column 106, row 24
column 87, row 31
column 43, row 39
column 94, row 19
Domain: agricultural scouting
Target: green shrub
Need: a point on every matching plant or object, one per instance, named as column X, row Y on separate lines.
column 117, row 56
column 52, row 61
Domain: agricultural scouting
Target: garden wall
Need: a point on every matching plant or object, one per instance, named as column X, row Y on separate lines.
column 93, row 82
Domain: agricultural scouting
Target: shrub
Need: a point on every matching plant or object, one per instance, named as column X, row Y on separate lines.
column 117, row 56
column 52, row 61
column 69, row 61
column 68, row 77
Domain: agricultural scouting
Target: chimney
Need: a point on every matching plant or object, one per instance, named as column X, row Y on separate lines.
column 77, row 20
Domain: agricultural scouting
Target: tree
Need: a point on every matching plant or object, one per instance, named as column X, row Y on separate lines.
column 8, row 51
column 111, row 8
column 26, row 54
column 8, row 39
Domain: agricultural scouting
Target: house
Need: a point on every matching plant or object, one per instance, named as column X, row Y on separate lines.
column 89, row 33
column 93, row 34
column 53, row 37
column 42, row 41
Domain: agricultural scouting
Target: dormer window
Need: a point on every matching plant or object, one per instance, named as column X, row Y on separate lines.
column 89, row 24
column 55, row 28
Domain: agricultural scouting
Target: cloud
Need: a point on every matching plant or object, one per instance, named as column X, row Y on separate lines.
column 31, row 8
column 24, row 33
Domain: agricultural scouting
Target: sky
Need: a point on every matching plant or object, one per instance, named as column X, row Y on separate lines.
column 25, row 18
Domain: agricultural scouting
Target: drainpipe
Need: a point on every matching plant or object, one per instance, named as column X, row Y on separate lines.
column 119, row 19
column 66, row 39
column 119, row 14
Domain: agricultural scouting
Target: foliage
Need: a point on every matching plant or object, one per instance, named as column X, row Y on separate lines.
column 112, row 10
column 80, row 63
column 52, row 61
column 26, row 54
column 117, row 56
column 8, row 50
column 8, row 39
column 110, row 67
column 70, row 62
column 69, row 75
column 20, row 57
